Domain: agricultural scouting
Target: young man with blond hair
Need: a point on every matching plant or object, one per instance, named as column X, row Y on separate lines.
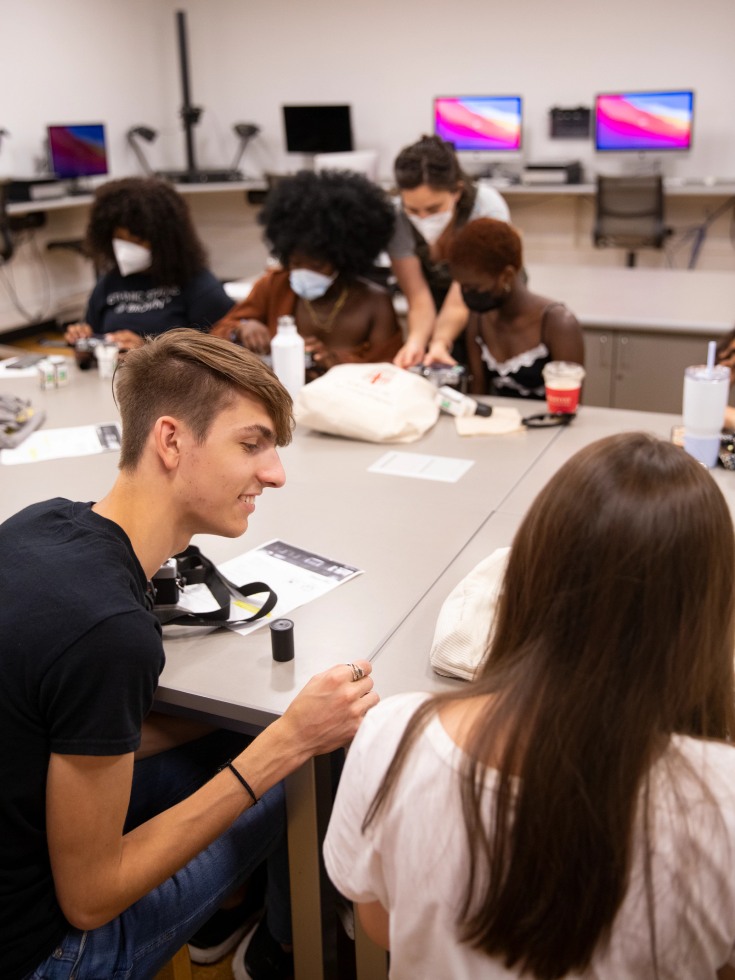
column 103, row 871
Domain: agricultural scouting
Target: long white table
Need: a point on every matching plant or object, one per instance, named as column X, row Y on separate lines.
column 414, row 539
column 402, row 664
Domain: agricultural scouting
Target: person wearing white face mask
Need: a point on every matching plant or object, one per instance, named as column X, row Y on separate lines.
column 325, row 229
column 154, row 275
column 436, row 200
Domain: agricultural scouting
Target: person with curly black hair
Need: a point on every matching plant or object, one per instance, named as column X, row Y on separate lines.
column 326, row 230
column 154, row 267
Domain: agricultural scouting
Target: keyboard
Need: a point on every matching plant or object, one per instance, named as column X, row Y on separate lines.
column 200, row 176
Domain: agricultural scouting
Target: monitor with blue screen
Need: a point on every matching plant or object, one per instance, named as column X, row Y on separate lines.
column 483, row 122
column 77, row 150
column 644, row 121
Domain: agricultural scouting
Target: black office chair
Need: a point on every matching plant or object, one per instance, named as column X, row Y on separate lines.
column 6, row 239
column 629, row 214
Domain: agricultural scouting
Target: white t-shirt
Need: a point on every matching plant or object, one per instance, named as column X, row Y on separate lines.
column 488, row 204
column 411, row 859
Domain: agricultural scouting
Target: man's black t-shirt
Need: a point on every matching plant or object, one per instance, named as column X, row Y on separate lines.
column 80, row 657
column 140, row 304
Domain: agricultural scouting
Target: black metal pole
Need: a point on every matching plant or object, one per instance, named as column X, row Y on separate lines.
column 189, row 113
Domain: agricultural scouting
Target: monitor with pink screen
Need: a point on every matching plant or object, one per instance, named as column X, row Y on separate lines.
column 484, row 123
column 644, row 121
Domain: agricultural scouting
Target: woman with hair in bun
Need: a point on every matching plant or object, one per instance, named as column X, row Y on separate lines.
column 436, row 199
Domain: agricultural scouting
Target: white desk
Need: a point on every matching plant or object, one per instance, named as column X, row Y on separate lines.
column 402, row 664
column 673, row 187
column 668, row 300
column 84, row 200
column 642, row 327
column 414, row 539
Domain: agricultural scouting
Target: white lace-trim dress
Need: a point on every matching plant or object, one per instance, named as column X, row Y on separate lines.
column 519, row 376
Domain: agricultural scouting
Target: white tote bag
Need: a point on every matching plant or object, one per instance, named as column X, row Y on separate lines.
column 374, row 402
column 466, row 618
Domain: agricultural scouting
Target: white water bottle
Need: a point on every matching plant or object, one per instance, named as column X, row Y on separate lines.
column 287, row 353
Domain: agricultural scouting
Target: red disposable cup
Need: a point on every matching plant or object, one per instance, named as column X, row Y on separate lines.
column 563, row 399
column 563, row 383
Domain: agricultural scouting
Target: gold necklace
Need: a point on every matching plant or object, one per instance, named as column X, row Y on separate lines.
column 328, row 322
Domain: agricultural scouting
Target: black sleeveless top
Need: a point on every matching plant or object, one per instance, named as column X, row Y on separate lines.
column 520, row 376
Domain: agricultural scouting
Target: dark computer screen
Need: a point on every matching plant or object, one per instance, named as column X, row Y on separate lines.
column 317, row 128
column 480, row 122
column 77, row 150
column 644, row 121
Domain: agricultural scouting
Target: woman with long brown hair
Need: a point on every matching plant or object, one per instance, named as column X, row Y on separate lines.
column 572, row 811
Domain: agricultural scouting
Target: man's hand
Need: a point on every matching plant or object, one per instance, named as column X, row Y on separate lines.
column 98, row 872
column 326, row 714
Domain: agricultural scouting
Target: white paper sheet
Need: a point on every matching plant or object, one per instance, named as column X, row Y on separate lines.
column 78, row 440
column 297, row 576
column 421, row 467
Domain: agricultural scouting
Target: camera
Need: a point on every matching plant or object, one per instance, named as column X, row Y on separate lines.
column 85, row 347
column 443, row 375
column 84, row 352
column 167, row 583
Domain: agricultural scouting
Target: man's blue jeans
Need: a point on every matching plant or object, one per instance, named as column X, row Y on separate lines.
column 142, row 939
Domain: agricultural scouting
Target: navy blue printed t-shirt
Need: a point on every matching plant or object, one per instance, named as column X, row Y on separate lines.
column 139, row 304
column 80, row 657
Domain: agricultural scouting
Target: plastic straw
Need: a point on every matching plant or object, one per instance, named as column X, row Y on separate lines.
column 711, row 351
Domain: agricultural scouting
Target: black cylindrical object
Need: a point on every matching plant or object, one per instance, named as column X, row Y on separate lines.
column 282, row 640
column 189, row 113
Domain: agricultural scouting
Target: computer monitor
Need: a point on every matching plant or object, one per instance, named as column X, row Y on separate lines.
column 77, row 150
column 317, row 128
column 485, row 123
column 644, row 121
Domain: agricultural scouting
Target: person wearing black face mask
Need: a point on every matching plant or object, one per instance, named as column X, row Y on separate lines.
column 481, row 300
column 511, row 333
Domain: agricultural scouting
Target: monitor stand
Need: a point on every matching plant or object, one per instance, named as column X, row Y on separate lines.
column 76, row 189
column 200, row 176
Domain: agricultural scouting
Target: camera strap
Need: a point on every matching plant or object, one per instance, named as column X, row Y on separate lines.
column 193, row 568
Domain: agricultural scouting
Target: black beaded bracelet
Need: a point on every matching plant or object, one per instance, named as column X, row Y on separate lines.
column 246, row 784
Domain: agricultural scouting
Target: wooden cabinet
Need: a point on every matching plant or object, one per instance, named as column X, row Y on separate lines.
column 639, row 369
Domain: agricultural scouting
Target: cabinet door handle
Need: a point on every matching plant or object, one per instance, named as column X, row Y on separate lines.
column 624, row 353
column 604, row 352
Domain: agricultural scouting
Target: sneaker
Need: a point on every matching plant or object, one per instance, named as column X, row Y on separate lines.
column 260, row 957
column 224, row 930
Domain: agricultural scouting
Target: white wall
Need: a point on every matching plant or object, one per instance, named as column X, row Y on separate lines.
column 116, row 61
column 389, row 58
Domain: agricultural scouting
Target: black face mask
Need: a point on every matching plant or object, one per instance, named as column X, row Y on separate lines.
column 480, row 301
